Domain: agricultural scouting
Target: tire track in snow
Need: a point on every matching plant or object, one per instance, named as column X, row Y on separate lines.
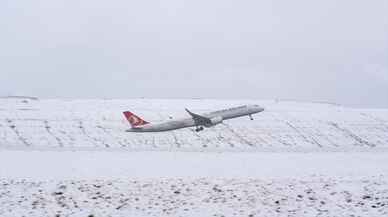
column 48, row 129
column 383, row 127
column 312, row 141
column 83, row 130
column 259, row 140
column 327, row 138
column 352, row 135
column 106, row 132
column 16, row 131
column 238, row 135
column 278, row 138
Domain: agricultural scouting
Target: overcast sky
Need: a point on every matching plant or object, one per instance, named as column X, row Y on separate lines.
column 327, row 50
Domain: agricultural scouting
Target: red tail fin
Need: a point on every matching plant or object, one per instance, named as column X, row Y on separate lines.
column 134, row 120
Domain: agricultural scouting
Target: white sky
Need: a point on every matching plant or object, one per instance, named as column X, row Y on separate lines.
column 327, row 50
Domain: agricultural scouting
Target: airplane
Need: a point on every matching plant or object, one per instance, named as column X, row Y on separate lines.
column 198, row 121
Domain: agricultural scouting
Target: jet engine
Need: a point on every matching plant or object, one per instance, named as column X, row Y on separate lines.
column 215, row 121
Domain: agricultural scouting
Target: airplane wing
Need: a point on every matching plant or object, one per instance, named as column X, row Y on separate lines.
column 199, row 119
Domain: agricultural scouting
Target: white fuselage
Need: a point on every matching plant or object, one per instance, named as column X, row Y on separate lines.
column 224, row 114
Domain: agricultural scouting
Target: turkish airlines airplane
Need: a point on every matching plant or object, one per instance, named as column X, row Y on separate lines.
column 196, row 120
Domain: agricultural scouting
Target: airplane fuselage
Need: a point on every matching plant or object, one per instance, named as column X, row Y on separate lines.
column 216, row 117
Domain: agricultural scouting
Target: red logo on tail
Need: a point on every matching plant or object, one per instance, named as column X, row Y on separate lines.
column 134, row 120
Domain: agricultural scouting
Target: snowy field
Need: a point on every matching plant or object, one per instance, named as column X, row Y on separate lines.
column 99, row 124
column 195, row 197
column 73, row 158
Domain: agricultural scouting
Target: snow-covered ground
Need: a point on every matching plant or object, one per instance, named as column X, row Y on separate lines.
column 99, row 124
column 317, row 196
column 73, row 158
column 56, row 165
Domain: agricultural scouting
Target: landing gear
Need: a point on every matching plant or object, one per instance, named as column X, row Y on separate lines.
column 198, row 129
column 250, row 116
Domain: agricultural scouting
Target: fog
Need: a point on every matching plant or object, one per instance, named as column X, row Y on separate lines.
column 335, row 51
